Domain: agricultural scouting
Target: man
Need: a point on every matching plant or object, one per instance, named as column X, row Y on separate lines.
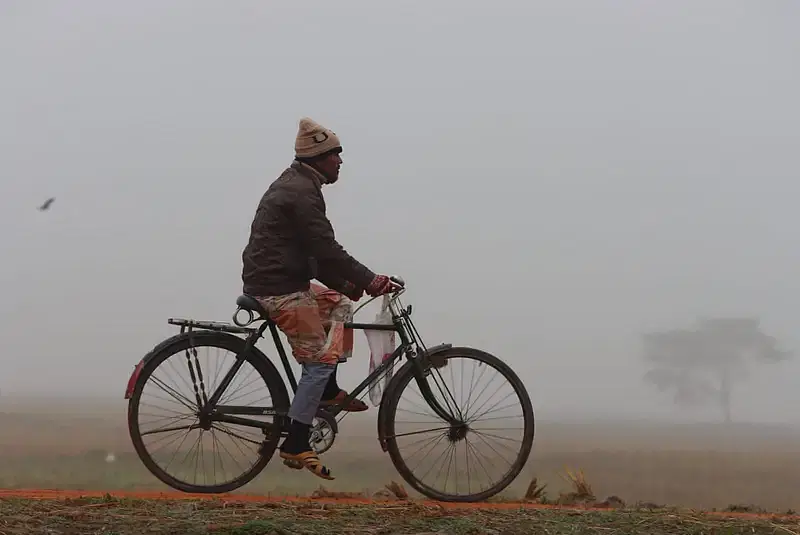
column 291, row 243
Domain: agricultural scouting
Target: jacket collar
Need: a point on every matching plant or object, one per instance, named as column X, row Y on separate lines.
column 310, row 172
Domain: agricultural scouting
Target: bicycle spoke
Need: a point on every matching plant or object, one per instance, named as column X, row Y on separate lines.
column 452, row 464
column 429, row 411
column 466, row 459
column 232, row 456
column 434, row 463
column 428, row 451
column 165, row 444
column 171, row 411
column 493, row 407
column 201, row 457
column 182, row 377
column 480, row 436
column 477, row 454
column 426, row 440
column 232, row 388
column 161, row 417
column 509, row 417
column 472, row 387
column 214, row 448
column 178, row 397
column 223, row 429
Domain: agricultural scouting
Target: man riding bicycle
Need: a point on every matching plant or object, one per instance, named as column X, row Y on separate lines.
column 292, row 242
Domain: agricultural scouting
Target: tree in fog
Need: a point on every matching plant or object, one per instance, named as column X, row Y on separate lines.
column 700, row 365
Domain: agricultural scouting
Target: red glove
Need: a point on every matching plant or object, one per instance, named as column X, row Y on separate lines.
column 380, row 285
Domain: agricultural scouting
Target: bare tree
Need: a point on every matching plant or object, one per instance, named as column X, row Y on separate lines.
column 700, row 365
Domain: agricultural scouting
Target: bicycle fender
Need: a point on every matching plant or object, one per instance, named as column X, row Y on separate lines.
column 137, row 370
column 393, row 384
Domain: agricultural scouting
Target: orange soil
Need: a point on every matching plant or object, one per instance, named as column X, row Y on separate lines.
column 52, row 494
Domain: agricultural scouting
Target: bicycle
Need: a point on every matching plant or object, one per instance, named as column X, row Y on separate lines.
column 215, row 413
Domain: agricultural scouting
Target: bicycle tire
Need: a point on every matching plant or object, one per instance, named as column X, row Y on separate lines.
column 265, row 368
column 392, row 398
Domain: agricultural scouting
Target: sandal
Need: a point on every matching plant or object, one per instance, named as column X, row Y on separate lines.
column 355, row 405
column 309, row 460
column 294, row 465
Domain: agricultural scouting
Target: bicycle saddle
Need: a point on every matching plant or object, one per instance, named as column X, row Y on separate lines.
column 249, row 303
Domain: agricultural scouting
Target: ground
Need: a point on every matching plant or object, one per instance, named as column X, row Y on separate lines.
column 111, row 515
column 58, row 445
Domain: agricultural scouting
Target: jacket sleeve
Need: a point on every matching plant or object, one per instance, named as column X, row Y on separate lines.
column 333, row 281
column 334, row 261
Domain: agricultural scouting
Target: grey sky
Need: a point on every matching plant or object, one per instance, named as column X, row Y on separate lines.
column 551, row 178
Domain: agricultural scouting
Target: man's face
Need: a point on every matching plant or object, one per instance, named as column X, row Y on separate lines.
column 329, row 166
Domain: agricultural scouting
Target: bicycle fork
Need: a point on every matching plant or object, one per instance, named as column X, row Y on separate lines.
column 446, row 414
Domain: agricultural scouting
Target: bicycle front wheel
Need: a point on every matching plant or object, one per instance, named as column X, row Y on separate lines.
column 479, row 455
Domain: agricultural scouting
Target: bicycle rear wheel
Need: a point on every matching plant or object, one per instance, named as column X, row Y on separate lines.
column 494, row 433
column 165, row 425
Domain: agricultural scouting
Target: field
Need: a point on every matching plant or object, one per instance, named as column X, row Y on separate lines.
column 54, row 444
column 111, row 515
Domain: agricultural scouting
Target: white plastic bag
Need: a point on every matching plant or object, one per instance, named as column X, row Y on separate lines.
column 381, row 347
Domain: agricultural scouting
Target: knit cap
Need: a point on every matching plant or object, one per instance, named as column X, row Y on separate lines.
column 314, row 139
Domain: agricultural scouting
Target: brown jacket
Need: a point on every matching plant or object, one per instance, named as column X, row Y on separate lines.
column 292, row 240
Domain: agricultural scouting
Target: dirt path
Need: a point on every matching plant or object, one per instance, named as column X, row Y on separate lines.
column 55, row 494
column 45, row 494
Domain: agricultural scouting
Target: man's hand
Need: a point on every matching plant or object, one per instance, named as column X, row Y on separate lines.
column 380, row 285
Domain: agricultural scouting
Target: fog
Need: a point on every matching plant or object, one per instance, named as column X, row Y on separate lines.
column 552, row 179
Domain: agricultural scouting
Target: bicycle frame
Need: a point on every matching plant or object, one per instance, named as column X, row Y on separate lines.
column 401, row 324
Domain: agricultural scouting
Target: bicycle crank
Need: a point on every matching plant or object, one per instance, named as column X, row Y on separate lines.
column 323, row 432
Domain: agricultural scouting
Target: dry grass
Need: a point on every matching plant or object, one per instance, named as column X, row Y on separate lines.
column 121, row 517
column 322, row 492
column 397, row 490
column 581, row 493
column 581, row 489
column 536, row 493
column 391, row 491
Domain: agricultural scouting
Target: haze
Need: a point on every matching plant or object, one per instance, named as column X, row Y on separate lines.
column 551, row 178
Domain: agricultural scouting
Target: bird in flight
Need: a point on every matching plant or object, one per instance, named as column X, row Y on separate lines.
column 47, row 204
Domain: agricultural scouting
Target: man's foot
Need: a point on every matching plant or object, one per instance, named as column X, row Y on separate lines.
column 297, row 453
column 355, row 405
column 309, row 460
column 294, row 465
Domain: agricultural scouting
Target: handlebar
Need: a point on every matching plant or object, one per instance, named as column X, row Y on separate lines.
column 393, row 295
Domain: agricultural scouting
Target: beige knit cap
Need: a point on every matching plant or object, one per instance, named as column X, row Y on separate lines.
column 314, row 139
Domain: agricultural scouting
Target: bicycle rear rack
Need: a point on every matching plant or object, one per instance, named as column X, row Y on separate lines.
column 218, row 326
